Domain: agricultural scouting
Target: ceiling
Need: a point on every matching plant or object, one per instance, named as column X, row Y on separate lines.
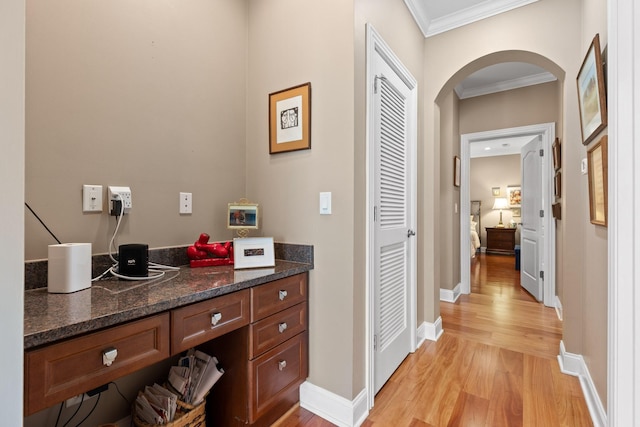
column 499, row 147
column 437, row 16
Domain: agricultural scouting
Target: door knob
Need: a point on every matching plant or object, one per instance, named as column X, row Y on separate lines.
column 410, row 233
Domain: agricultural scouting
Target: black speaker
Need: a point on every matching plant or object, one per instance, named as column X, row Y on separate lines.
column 133, row 260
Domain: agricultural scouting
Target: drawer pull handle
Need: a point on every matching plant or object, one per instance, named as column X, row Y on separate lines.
column 282, row 295
column 109, row 356
column 282, row 364
column 282, row 327
column 215, row 318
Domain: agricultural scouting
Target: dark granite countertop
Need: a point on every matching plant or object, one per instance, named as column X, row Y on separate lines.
column 52, row 317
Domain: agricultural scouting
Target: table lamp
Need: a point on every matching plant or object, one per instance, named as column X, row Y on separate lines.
column 500, row 203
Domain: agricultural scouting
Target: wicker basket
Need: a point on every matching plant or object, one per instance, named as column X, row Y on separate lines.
column 186, row 416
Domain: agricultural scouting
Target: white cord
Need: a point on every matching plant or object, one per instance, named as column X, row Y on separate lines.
column 159, row 269
column 159, row 274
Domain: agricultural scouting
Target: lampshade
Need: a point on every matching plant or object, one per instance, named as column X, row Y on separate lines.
column 500, row 203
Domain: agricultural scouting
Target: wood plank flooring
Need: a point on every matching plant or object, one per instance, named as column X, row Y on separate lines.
column 495, row 365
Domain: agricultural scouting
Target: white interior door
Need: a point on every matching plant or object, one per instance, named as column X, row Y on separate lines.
column 532, row 230
column 393, row 229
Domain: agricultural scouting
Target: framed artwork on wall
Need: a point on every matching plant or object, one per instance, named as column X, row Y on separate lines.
column 557, row 155
column 591, row 93
column 456, row 171
column 557, row 185
column 514, row 196
column 290, row 119
column 597, row 161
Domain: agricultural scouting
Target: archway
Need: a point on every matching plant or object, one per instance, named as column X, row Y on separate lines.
column 451, row 268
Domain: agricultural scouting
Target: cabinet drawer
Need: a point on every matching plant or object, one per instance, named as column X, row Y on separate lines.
column 273, row 330
column 276, row 296
column 201, row 322
column 59, row 371
column 276, row 373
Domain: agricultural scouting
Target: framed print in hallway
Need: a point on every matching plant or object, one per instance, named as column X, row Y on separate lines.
column 557, row 185
column 514, row 196
column 591, row 93
column 597, row 161
column 290, row 119
column 557, row 154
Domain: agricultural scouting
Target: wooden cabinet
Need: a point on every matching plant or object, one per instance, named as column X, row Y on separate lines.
column 266, row 362
column 259, row 335
column 65, row 369
column 279, row 351
column 501, row 241
column 198, row 323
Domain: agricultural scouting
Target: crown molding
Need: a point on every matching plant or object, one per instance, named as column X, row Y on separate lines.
column 431, row 27
column 501, row 86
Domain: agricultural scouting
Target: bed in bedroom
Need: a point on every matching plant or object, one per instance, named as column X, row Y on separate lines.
column 476, row 215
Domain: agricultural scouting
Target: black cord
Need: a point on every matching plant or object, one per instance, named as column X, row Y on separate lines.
column 59, row 412
column 75, row 413
column 42, row 222
column 91, row 411
column 120, row 393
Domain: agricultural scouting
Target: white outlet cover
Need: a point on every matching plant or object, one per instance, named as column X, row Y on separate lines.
column 92, row 198
column 186, row 203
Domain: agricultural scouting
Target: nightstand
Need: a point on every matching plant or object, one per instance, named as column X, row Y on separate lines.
column 501, row 241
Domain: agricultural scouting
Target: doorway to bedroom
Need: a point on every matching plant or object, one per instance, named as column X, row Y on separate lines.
column 491, row 191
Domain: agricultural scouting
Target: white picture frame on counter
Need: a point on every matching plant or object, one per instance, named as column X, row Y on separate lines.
column 252, row 252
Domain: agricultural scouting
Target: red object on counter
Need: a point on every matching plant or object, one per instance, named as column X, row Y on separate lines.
column 210, row 262
column 205, row 254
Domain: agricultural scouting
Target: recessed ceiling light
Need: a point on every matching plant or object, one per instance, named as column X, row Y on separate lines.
column 487, row 148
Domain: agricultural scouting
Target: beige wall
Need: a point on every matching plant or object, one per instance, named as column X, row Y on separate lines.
column 287, row 185
column 11, row 215
column 594, row 292
column 144, row 94
column 529, row 105
column 489, row 172
column 448, row 254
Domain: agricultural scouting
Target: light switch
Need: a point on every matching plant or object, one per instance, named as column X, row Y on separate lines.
column 325, row 203
column 584, row 168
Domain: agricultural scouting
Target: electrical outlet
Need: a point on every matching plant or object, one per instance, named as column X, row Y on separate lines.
column 186, row 205
column 75, row 400
column 92, row 198
column 123, row 194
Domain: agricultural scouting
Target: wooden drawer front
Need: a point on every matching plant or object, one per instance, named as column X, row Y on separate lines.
column 268, row 333
column 273, row 297
column 59, row 371
column 275, row 373
column 198, row 323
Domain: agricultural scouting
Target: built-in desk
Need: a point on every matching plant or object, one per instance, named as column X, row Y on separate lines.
column 254, row 321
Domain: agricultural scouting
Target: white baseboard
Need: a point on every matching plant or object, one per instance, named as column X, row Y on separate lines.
column 558, row 305
column 573, row 364
column 450, row 295
column 430, row 331
column 336, row 409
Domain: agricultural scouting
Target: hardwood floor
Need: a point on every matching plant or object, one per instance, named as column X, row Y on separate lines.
column 495, row 365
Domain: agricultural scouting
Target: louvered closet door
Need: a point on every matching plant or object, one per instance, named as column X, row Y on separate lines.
column 392, row 340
